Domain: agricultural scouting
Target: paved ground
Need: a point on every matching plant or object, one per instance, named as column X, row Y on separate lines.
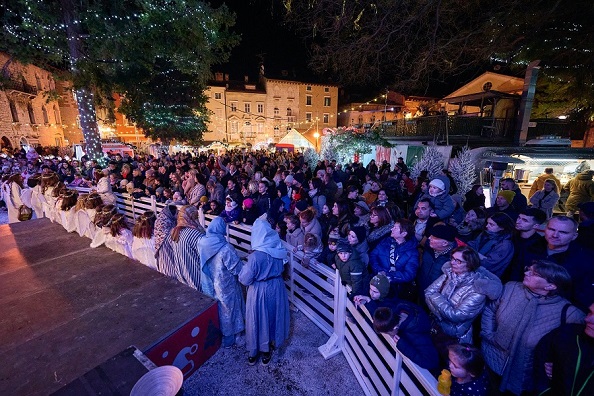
column 296, row 369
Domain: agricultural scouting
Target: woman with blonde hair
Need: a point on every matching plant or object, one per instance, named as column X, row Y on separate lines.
column 547, row 198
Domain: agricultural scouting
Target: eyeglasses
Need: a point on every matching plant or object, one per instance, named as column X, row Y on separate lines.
column 530, row 272
column 373, row 215
column 456, row 261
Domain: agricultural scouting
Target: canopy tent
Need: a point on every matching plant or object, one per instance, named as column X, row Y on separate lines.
column 296, row 139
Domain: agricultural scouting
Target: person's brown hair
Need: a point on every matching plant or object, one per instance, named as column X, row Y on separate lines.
column 383, row 215
column 145, row 225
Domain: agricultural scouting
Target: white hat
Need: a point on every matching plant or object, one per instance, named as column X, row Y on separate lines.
column 437, row 183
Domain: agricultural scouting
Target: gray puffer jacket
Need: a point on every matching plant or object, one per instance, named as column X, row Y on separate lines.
column 456, row 300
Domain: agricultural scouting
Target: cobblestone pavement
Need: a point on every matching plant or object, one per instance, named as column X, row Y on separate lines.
column 298, row 368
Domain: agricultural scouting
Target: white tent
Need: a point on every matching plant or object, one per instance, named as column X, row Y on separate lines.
column 296, row 139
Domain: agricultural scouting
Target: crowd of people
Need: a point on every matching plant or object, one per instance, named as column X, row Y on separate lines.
column 454, row 283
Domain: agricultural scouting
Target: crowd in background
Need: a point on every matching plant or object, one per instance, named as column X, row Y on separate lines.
column 454, row 283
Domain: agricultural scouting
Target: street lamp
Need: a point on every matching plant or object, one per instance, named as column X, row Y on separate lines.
column 317, row 136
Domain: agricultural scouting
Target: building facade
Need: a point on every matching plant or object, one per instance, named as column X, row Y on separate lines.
column 249, row 113
column 29, row 110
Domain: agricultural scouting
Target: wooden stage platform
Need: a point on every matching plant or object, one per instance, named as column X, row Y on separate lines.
column 66, row 308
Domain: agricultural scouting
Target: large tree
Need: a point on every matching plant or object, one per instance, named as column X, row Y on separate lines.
column 411, row 44
column 156, row 54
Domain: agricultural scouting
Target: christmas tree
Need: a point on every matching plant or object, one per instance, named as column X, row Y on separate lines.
column 463, row 170
column 311, row 157
column 156, row 55
column 431, row 161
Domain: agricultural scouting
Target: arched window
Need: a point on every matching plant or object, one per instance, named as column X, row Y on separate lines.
column 289, row 112
column 38, row 80
column 14, row 112
column 31, row 113
column 57, row 115
column 276, row 111
column 44, row 114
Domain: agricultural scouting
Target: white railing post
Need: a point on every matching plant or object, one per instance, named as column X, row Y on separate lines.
column 334, row 345
column 154, row 203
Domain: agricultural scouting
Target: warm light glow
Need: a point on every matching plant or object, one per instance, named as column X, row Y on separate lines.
column 316, row 135
column 562, row 117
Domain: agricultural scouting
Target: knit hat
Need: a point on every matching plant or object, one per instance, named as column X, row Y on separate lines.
column 361, row 233
column 587, row 208
column 343, row 246
column 289, row 179
column 445, row 232
column 299, row 178
column 382, row 283
column 437, row 183
column 248, row 203
column 333, row 238
column 363, row 205
column 301, row 205
column 507, row 195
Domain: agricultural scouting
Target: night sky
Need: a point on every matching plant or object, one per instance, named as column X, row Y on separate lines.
column 263, row 36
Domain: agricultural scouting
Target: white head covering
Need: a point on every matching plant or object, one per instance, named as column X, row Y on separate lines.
column 265, row 239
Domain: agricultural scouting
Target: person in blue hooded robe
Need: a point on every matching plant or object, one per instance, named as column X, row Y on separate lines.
column 220, row 267
column 267, row 305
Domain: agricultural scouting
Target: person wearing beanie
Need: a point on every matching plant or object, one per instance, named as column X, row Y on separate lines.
column 232, row 211
column 249, row 215
column 357, row 238
column 353, row 273
column 503, row 204
column 441, row 241
column 438, row 194
column 379, row 289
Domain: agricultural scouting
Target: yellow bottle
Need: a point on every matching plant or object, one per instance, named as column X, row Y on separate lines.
column 444, row 382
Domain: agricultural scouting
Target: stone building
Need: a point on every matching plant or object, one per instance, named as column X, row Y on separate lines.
column 29, row 111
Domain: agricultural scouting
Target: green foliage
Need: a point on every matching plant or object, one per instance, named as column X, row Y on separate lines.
column 311, row 157
column 345, row 143
column 158, row 55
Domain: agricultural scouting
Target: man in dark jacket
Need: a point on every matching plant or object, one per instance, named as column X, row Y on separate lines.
column 441, row 241
column 564, row 360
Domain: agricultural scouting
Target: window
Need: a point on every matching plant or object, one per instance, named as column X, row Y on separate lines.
column 308, row 100
column 308, row 117
column 327, row 101
column 308, row 87
column 289, row 112
column 31, row 114
column 38, row 80
column 246, row 107
column 326, row 89
column 326, row 118
column 14, row 112
column 46, row 120
column 233, row 106
column 218, row 96
column 260, row 108
column 276, row 112
column 276, row 130
column 57, row 115
column 260, row 127
column 234, row 127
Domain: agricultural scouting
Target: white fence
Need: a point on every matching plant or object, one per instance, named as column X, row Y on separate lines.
column 317, row 291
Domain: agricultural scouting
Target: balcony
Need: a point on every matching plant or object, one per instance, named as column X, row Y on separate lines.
column 19, row 88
